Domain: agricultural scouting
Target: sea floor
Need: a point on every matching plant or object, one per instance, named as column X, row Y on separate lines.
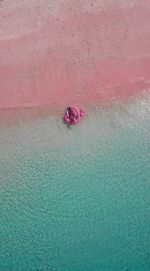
column 77, row 199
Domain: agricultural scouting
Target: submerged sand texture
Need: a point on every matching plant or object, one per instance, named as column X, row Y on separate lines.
column 60, row 52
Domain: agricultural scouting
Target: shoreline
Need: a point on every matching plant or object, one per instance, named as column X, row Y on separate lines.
column 42, row 131
column 12, row 116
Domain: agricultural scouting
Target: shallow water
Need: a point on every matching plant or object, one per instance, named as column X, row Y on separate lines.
column 77, row 199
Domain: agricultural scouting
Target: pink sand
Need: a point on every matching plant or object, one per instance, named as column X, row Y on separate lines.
column 73, row 51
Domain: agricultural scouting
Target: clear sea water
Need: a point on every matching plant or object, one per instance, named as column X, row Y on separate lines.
column 77, row 199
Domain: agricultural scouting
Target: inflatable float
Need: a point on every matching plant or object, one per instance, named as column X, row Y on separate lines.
column 73, row 115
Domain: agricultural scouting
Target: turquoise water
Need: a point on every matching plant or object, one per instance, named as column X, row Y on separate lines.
column 76, row 199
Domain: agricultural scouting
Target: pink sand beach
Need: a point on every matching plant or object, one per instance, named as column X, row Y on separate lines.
column 63, row 52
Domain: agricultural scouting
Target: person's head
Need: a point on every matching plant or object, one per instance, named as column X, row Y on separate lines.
column 69, row 109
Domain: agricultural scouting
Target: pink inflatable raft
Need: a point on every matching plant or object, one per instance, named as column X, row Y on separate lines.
column 73, row 115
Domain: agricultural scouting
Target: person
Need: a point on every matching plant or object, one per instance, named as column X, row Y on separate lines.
column 71, row 113
column 68, row 110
